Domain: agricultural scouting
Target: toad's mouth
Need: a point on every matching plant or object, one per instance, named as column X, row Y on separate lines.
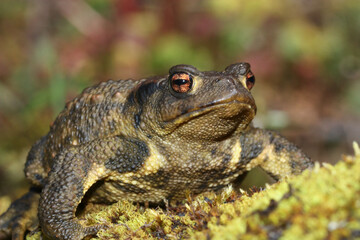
column 228, row 108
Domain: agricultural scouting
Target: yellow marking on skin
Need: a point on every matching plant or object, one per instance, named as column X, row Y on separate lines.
column 276, row 164
column 126, row 177
column 93, row 176
column 260, row 158
column 197, row 83
column 235, row 155
column 133, row 182
column 153, row 163
column 243, row 82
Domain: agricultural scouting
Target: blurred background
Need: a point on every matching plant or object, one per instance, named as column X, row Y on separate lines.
column 305, row 56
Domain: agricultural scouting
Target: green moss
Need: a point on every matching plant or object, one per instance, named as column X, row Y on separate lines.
column 318, row 204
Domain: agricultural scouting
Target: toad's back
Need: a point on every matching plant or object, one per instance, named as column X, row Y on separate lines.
column 96, row 113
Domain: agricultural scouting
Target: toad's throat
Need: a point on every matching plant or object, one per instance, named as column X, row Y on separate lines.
column 240, row 105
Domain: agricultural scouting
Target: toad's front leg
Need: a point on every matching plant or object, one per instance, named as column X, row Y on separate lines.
column 73, row 173
column 67, row 183
column 273, row 153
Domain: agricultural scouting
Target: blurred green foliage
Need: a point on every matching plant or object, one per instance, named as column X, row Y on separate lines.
column 305, row 55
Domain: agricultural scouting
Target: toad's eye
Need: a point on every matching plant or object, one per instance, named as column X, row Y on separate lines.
column 250, row 80
column 181, row 82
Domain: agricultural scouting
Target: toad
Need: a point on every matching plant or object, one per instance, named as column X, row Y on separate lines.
column 145, row 141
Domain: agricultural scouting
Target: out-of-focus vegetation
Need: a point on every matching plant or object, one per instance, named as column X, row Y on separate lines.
column 305, row 56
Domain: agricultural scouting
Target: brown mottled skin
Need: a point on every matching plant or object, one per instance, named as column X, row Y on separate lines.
column 146, row 141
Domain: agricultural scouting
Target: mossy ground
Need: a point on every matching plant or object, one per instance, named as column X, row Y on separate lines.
column 320, row 204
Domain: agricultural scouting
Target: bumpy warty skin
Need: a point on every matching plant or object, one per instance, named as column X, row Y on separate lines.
column 147, row 140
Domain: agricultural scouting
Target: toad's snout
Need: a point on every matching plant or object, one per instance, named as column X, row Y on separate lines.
column 233, row 89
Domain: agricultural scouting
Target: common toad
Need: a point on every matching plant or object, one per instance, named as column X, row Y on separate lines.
column 147, row 140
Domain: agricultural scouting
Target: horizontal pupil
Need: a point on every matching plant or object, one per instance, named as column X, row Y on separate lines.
column 180, row 82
